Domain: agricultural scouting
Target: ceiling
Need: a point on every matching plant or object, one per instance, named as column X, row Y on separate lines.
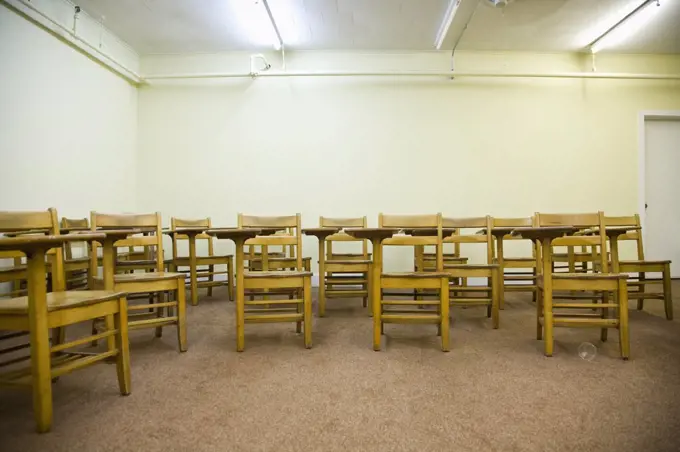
column 183, row 26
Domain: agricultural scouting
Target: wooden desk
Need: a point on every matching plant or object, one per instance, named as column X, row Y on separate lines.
column 376, row 236
column 190, row 232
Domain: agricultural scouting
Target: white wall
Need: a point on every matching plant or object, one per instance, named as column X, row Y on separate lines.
column 348, row 146
column 67, row 126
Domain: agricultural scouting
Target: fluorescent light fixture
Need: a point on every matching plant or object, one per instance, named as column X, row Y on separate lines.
column 627, row 26
column 446, row 23
column 278, row 42
column 253, row 20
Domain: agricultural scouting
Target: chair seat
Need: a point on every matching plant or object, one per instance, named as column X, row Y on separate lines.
column 60, row 300
column 588, row 276
column 349, row 261
column 141, row 277
column 519, row 259
column 511, row 277
column 276, row 274
column 416, row 275
column 150, row 263
column 645, row 262
column 74, row 260
column 288, row 258
column 185, row 259
column 582, row 277
column 341, row 255
column 13, row 268
column 472, row 266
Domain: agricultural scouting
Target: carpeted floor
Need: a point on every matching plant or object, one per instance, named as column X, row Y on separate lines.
column 494, row 391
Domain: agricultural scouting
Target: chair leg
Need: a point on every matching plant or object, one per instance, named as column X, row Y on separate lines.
column 181, row 315
column 539, row 314
column 605, row 315
column 548, row 322
column 230, row 278
column 211, row 278
column 41, row 370
column 93, row 330
column 159, row 313
column 307, row 302
column 491, row 281
column 496, row 289
column 444, row 313
column 624, row 338
column 641, row 300
column 58, row 336
column 667, row 296
column 240, row 316
column 120, row 343
column 300, row 309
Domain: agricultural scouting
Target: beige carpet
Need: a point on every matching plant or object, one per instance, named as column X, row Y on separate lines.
column 494, row 391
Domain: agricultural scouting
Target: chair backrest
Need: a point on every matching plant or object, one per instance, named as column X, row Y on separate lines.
column 414, row 222
column 514, row 223
column 178, row 223
column 631, row 220
column 581, row 221
column 150, row 223
column 289, row 236
column 73, row 223
column 467, row 232
column 43, row 222
column 359, row 222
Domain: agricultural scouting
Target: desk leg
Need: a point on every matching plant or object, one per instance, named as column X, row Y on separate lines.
column 547, row 297
column 192, row 269
column 40, row 343
column 240, row 297
column 376, row 295
column 322, row 276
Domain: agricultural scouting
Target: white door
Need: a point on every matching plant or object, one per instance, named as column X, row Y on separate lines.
column 662, row 191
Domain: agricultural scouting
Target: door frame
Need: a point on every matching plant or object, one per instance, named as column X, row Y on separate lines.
column 643, row 116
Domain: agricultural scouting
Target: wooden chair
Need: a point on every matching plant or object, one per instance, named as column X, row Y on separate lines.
column 275, row 278
column 518, row 272
column 562, row 314
column 639, row 280
column 485, row 295
column 426, row 260
column 418, row 230
column 279, row 257
column 76, row 266
column 157, row 312
column 39, row 311
column 342, row 272
column 13, row 271
column 208, row 263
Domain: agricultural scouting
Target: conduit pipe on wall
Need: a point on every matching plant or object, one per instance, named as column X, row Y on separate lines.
column 448, row 74
column 70, row 36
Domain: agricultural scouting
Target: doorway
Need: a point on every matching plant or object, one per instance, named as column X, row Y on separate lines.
column 661, row 152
